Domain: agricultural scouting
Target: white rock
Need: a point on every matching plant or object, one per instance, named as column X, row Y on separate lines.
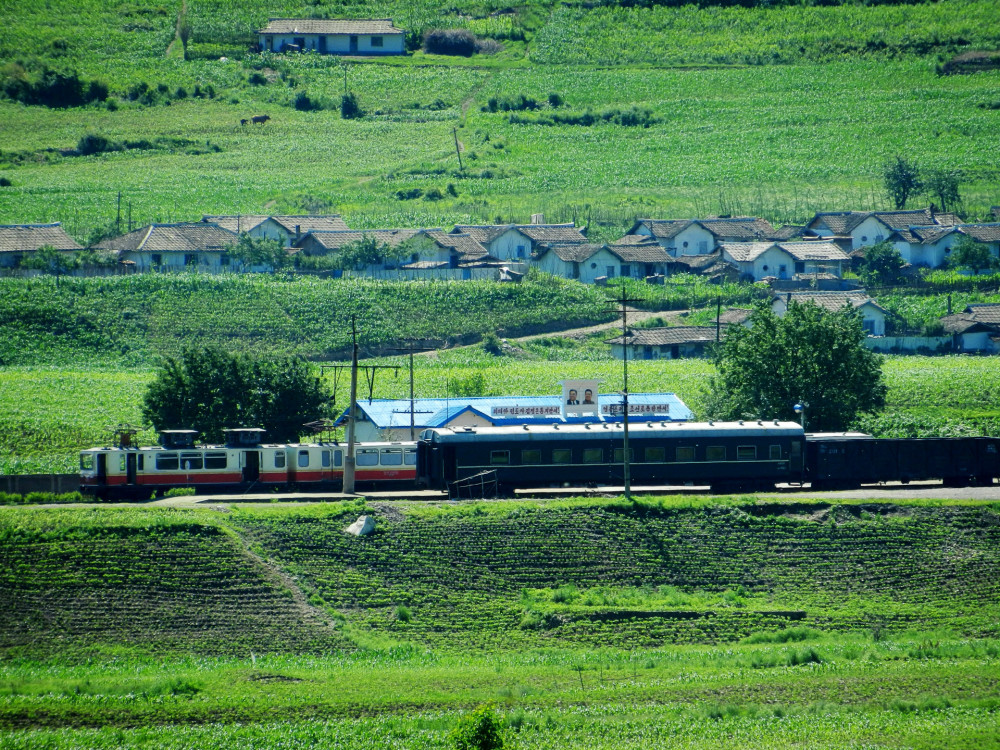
column 364, row 526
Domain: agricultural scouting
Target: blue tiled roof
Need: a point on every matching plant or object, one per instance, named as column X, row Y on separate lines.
column 438, row 412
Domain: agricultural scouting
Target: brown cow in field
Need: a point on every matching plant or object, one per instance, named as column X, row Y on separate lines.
column 259, row 119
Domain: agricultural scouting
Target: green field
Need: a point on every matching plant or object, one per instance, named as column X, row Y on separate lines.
column 719, row 623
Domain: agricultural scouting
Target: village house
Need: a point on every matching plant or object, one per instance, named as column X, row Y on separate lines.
column 854, row 229
column 782, row 260
column 372, row 36
column 931, row 246
column 325, row 242
column 285, row 229
column 20, row 240
column 194, row 246
column 975, row 329
column 516, row 243
column 873, row 315
column 702, row 236
column 665, row 343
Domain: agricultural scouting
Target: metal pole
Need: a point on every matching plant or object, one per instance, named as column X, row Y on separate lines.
column 625, row 456
column 458, row 152
column 353, row 414
column 413, row 430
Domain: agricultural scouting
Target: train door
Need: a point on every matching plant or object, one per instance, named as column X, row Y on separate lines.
column 102, row 468
column 130, row 464
column 251, row 466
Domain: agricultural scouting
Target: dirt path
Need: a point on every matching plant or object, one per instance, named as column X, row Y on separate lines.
column 634, row 316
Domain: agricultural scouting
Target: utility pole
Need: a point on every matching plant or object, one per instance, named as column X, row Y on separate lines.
column 458, row 152
column 118, row 220
column 411, row 349
column 718, row 317
column 352, row 413
column 621, row 307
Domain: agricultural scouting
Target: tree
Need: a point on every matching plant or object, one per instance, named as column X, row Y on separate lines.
column 881, row 264
column 480, row 730
column 367, row 251
column 810, row 355
column 967, row 253
column 349, row 107
column 902, row 179
column 260, row 251
column 943, row 185
column 210, row 390
column 49, row 260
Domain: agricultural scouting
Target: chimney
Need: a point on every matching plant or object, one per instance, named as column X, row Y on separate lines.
column 297, row 227
column 538, row 218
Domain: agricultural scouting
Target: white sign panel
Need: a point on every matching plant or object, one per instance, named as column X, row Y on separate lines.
column 616, row 409
column 525, row 411
column 579, row 397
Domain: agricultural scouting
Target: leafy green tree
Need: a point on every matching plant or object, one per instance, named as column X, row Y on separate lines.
column 881, row 264
column 367, row 251
column 902, row 179
column 259, row 251
column 809, row 354
column 968, row 253
column 210, row 390
column 943, row 185
column 349, row 107
column 49, row 260
column 480, row 730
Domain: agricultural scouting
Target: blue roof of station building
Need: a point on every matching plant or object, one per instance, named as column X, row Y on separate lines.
column 439, row 412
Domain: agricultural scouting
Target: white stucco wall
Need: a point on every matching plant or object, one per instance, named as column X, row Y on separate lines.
column 337, row 44
column 869, row 232
column 692, row 240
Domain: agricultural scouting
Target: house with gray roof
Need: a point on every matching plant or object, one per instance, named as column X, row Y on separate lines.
column 195, row 246
column 854, row 229
column 931, row 246
column 782, row 260
column 287, row 229
column 665, row 343
column 20, row 240
column 589, row 262
column 516, row 243
column 873, row 315
column 702, row 236
column 975, row 329
column 369, row 36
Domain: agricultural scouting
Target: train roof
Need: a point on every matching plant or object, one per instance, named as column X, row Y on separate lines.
column 772, row 428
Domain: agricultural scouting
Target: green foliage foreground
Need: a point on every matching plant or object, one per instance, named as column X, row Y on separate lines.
column 658, row 620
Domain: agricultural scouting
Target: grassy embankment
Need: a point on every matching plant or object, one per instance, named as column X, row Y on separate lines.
column 778, row 112
column 587, row 621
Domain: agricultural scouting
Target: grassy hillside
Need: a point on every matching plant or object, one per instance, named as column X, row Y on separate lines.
column 729, row 130
column 589, row 623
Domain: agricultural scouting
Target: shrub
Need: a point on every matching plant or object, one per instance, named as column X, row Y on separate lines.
column 403, row 613
column 480, row 730
column 434, row 194
column 180, row 492
column 257, row 79
column 556, row 100
column 4, row 182
column 450, row 42
column 349, row 107
column 303, row 103
column 96, row 144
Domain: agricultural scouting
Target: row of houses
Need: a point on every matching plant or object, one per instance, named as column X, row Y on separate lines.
column 736, row 248
column 974, row 330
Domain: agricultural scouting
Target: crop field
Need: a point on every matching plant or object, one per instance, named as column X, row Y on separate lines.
column 722, row 622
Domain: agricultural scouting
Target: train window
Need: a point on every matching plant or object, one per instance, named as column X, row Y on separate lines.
column 746, row 452
column 392, row 457
column 684, row 453
column 279, row 459
column 796, row 448
column 367, row 457
column 216, row 460
column 499, row 458
column 142, row 462
column 715, row 453
column 593, row 455
column 775, row 453
column 656, row 455
column 531, row 456
column 338, row 458
column 166, row 461
column 325, row 459
column 620, row 455
column 303, row 459
column 121, row 462
column 87, row 461
column 410, row 457
column 191, row 461
column 562, row 456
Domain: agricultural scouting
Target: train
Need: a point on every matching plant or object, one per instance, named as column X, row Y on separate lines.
column 242, row 463
column 726, row 456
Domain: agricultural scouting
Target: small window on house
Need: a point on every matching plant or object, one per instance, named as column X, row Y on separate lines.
column 521, row 251
column 166, row 461
column 715, row 453
column 763, row 268
column 774, row 452
column 800, row 267
column 593, row 265
column 782, row 269
column 703, row 246
column 224, row 259
column 216, row 460
column 367, row 457
column 376, row 41
column 190, row 259
column 531, row 456
column 684, row 453
column 626, row 271
column 303, row 459
column 562, row 456
column 499, row 458
column 620, row 455
column 656, row 455
column 392, row 457
column 279, row 459
column 156, row 259
column 611, row 272
column 684, row 244
column 746, row 452
column 864, row 238
column 869, row 327
column 593, row 455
